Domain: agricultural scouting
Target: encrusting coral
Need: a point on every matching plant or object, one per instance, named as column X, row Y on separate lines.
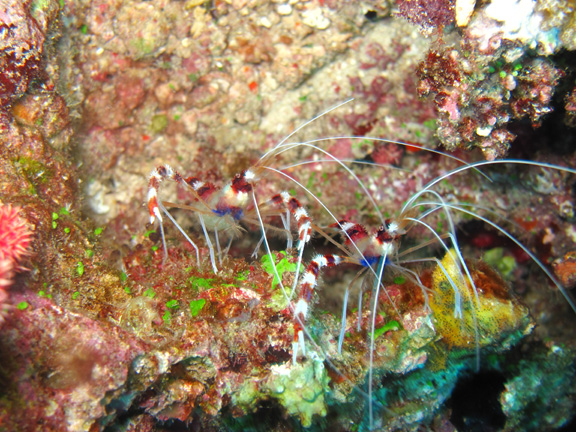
column 497, row 71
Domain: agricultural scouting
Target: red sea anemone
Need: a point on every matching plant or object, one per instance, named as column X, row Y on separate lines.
column 14, row 234
column 14, row 242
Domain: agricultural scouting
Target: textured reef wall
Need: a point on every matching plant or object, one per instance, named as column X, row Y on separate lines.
column 99, row 333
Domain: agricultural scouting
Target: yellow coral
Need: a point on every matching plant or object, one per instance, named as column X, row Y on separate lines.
column 492, row 319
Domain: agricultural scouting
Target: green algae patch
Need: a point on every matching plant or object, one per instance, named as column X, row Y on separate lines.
column 172, row 304
column 197, row 283
column 167, row 317
column 282, row 265
column 150, row 293
column 391, row 326
column 22, row 305
column 80, row 268
column 196, row 306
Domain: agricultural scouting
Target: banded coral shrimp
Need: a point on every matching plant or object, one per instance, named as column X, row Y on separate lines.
column 358, row 248
column 222, row 210
column 467, row 296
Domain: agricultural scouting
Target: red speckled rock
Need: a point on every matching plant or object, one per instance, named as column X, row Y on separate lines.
column 565, row 269
column 21, row 45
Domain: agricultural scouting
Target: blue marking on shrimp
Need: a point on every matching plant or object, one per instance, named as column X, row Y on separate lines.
column 235, row 212
column 369, row 261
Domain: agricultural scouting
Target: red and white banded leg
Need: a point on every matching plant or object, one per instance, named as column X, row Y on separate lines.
column 307, row 285
column 202, row 191
column 287, row 201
